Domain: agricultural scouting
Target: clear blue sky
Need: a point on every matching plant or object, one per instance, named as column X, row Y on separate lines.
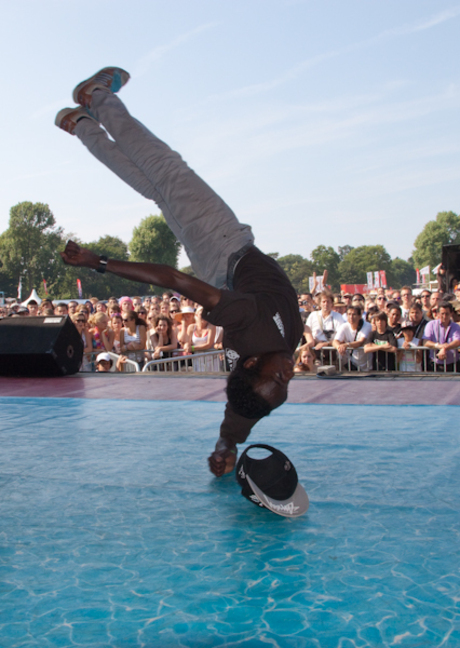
column 319, row 122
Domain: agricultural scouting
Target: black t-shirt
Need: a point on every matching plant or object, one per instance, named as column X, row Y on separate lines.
column 261, row 314
column 384, row 359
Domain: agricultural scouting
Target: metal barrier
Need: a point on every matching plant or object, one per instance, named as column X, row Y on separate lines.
column 208, row 362
column 330, row 356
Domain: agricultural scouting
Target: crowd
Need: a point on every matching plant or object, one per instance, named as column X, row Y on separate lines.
column 135, row 329
column 385, row 331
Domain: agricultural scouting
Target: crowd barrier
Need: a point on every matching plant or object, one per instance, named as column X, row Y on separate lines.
column 329, row 356
column 214, row 362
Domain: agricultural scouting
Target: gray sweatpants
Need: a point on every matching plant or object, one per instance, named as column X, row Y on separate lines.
column 208, row 229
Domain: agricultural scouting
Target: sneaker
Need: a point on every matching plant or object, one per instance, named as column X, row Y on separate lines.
column 67, row 118
column 110, row 79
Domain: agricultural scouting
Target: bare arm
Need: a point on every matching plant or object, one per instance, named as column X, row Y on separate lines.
column 149, row 273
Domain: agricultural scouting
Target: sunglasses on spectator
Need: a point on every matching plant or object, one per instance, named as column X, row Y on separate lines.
column 128, row 319
column 81, row 321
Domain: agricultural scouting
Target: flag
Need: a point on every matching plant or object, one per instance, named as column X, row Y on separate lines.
column 370, row 283
column 383, row 279
column 45, row 286
column 418, row 276
column 80, row 292
column 19, row 289
column 376, row 279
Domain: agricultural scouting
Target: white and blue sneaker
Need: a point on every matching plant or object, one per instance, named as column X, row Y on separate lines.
column 67, row 118
column 109, row 79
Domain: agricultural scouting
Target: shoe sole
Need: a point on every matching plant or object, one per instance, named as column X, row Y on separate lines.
column 119, row 78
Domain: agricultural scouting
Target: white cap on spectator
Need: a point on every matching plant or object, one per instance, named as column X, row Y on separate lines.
column 103, row 356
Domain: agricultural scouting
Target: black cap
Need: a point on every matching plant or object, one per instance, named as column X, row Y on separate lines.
column 271, row 482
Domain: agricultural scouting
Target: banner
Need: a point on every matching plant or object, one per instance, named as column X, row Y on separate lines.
column 383, row 279
column 80, row 292
column 319, row 284
column 417, row 280
column 370, row 283
column 19, row 289
column 45, row 286
column 376, row 279
column 425, row 272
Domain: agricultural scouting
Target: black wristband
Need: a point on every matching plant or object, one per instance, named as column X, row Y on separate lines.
column 102, row 264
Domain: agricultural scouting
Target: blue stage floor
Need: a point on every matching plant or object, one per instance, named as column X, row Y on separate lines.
column 114, row 533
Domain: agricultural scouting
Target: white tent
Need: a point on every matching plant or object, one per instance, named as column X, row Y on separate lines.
column 33, row 295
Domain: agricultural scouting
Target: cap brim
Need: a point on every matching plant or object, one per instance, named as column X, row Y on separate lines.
column 293, row 507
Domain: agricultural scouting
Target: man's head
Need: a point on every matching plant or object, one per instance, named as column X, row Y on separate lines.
column 435, row 298
column 353, row 316
column 137, row 302
column 61, row 309
column 445, row 310
column 259, row 384
column 425, row 299
column 394, row 315
column 416, row 313
column 381, row 322
column 406, row 296
column 408, row 332
column 33, row 308
column 326, row 302
column 72, row 307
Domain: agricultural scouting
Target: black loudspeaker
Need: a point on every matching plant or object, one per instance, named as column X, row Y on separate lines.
column 451, row 261
column 39, row 346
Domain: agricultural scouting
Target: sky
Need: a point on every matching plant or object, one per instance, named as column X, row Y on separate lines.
column 320, row 122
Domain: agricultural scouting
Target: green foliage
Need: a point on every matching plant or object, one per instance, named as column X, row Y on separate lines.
column 298, row 270
column 153, row 242
column 443, row 230
column 326, row 258
column 361, row 260
column 402, row 273
column 28, row 247
column 344, row 250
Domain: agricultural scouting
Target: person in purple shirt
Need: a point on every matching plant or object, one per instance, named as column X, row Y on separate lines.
column 443, row 336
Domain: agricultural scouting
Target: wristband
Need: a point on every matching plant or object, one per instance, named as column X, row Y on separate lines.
column 193, row 349
column 102, row 264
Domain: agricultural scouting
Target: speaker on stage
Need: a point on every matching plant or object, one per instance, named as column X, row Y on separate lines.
column 39, row 346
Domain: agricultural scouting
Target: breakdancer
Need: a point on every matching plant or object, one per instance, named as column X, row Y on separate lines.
column 240, row 288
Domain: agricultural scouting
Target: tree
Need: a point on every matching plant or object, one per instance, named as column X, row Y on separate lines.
column 29, row 247
column 402, row 273
column 154, row 242
column 298, row 270
column 344, row 250
column 443, row 230
column 326, row 258
column 361, row 260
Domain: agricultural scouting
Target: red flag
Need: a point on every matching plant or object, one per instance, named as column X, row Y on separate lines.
column 80, row 292
column 44, row 285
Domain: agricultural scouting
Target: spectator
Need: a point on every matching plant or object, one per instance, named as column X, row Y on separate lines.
column 200, row 335
column 142, row 313
column 46, row 305
column 394, row 318
column 33, row 308
column 102, row 335
column 435, row 299
column 442, row 335
column 137, row 303
column 346, row 298
column 425, row 297
column 305, row 360
column 100, row 307
column 406, row 301
column 61, row 309
column 306, row 302
column 133, row 337
column 104, row 363
column 408, row 354
column 381, row 301
column 116, row 324
column 165, row 308
column 113, row 309
column 324, row 323
column 125, row 304
column 417, row 320
column 162, row 338
column 185, row 318
column 352, row 335
column 396, row 296
column 80, row 321
column 382, row 344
